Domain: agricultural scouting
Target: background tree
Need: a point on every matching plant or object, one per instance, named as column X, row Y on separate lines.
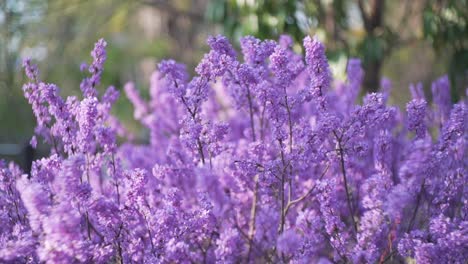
column 446, row 27
column 371, row 30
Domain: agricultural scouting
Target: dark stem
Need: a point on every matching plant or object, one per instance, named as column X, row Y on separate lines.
column 283, row 176
column 252, row 123
column 334, row 234
column 293, row 202
column 116, row 180
column 253, row 213
column 348, row 194
column 389, row 257
column 418, row 201
column 149, row 233
column 193, row 115
column 88, row 225
column 289, row 122
column 120, row 259
column 262, row 121
column 119, row 252
column 200, row 150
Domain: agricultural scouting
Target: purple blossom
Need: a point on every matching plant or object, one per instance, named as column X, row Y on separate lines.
column 441, row 96
column 140, row 106
column 288, row 242
column 88, row 85
column 229, row 246
column 86, row 119
column 417, row 91
column 256, row 51
column 416, row 117
column 279, row 63
column 176, row 76
column 244, row 167
column 317, row 67
column 31, row 70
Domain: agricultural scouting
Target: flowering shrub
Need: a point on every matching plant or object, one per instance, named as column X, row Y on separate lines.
column 264, row 159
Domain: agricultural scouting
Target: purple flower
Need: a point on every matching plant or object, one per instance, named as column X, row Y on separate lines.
column 88, row 85
column 140, row 106
column 31, row 70
column 318, row 68
column 441, row 96
column 176, row 76
column 288, row 242
column 256, row 51
column 416, row 117
column 244, row 167
column 86, row 118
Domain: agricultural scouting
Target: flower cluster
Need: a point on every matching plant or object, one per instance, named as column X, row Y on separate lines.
column 260, row 158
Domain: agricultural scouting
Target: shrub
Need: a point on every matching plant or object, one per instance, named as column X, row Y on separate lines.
column 265, row 159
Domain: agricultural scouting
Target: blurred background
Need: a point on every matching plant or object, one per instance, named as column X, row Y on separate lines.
column 406, row 41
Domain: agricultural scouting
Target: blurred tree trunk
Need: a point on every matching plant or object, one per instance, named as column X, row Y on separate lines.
column 185, row 22
column 373, row 23
column 6, row 69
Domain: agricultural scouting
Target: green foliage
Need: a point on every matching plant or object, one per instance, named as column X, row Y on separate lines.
column 263, row 19
column 444, row 23
column 446, row 26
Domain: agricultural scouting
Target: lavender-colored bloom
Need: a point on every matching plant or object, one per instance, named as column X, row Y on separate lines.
column 441, row 96
column 383, row 152
column 288, row 242
column 279, row 65
column 36, row 202
column 285, row 41
column 88, row 85
column 83, row 66
column 417, row 91
column 33, row 142
column 229, row 247
column 176, row 76
column 244, row 169
column 140, row 106
column 86, row 118
column 416, row 117
column 385, row 87
column 218, row 60
column 31, row 70
column 221, row 45
column 456, row 126
column 136, row 183
column 355, row 75
column 318, row 68
column 111, row 95
column 65, row 242
column 256, row 51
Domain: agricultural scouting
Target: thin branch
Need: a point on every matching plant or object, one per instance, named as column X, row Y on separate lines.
column 253, row 215
column 343, row 170
column 249, row 100
column 289, row 122
column 193, row 115
column 293, row 202
column 282, row 202
column 418, row 202
column 120, row 259
column 252, row 123
column 200, row 150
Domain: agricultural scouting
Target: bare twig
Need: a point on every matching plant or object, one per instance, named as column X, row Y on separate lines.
column 343, row 170
column 418, row 202
column 301, row 198
column 253, row 214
